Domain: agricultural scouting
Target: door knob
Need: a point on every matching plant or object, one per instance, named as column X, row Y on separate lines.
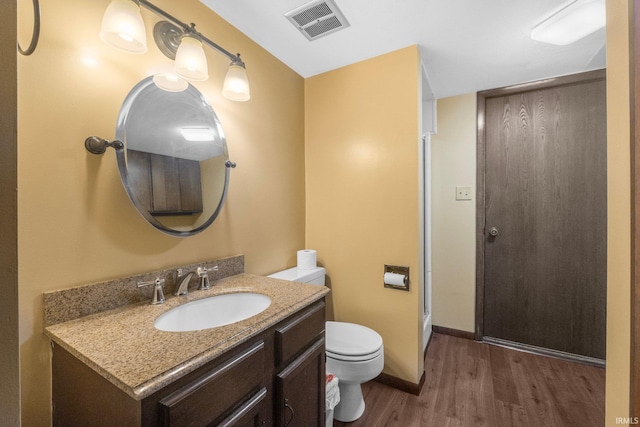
column 493, row 232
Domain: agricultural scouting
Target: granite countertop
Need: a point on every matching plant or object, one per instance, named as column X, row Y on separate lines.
column 123, row 346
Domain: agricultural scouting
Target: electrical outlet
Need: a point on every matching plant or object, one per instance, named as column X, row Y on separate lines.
column 463, row 193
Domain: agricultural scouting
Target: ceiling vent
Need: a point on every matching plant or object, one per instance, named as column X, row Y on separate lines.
column 317, row 18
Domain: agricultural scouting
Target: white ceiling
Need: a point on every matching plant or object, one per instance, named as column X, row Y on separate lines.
column 466, row 45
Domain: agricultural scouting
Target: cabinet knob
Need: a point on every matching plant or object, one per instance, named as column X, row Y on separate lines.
column 290, row 408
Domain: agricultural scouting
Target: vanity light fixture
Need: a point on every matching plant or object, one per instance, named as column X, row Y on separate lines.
column 575, row 21
column 123, row 28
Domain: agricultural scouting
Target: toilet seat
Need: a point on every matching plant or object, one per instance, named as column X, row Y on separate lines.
column 352, row 342
column 362, row 358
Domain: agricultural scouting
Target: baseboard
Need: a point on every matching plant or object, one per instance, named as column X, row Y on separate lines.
column 454, row 332
column 403, row 385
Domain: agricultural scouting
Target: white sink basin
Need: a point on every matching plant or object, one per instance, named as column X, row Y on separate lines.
column 212, row 312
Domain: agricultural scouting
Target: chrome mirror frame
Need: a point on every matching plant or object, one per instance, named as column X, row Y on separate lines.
column 97, row 145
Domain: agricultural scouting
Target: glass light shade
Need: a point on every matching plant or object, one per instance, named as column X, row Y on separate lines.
column 572, row 23
column 170, row 82
column 123, row 28
column 236, row 84
column 191, row 62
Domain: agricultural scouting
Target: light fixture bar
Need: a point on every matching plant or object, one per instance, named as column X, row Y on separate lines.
column 190, row 29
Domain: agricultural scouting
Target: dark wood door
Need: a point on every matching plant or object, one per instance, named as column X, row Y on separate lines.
column 544, row 232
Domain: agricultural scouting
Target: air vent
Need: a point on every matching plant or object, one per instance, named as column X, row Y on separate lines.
column 317, row 18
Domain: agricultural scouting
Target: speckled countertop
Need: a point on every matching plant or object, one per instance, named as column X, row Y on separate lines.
column 123, row 346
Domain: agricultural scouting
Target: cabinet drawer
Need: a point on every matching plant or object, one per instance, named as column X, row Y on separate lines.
column 296, row 334
column 208, row 397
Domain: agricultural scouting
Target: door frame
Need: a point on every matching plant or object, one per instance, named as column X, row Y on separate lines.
column 634, row 89
column 480, row 171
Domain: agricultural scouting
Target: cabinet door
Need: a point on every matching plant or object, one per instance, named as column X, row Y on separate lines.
column 139, row 170
column 300, row 390
column 190, row 186
column 165, row 184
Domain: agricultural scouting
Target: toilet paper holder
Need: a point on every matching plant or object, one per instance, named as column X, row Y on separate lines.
column 393, row 281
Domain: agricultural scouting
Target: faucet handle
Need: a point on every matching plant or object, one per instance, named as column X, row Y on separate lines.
column 158, row 294
column 204, row 277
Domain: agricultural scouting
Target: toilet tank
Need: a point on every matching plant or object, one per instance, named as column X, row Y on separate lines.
column 314, row 276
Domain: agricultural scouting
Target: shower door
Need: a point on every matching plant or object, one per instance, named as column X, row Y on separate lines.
column 543, row 238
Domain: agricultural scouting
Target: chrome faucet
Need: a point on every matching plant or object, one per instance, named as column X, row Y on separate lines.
column 204, row 277
column 158, row 294
column 182, row 282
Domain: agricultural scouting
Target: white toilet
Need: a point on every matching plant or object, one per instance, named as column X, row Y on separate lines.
column 355, row 353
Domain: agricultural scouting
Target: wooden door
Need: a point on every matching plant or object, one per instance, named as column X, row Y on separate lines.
column 544, row 232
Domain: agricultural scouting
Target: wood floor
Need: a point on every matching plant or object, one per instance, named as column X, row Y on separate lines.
column 469, row 383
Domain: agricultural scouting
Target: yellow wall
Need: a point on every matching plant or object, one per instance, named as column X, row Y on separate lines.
column 76, row 224
column 453, row 239
column 618, row 212
column 362, row 155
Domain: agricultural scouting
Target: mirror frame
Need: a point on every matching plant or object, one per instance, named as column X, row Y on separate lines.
column 124, row 173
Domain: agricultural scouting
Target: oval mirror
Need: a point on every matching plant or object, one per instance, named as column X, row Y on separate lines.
column 174, row 165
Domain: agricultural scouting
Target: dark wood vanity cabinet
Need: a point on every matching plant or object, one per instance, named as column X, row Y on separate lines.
column 275, row 379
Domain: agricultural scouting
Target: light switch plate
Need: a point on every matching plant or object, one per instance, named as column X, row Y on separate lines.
column 463, row 193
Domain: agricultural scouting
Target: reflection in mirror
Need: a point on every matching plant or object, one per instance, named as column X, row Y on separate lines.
column 174, row 164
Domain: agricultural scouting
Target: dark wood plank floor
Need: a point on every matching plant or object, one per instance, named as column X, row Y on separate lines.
column 469, row 383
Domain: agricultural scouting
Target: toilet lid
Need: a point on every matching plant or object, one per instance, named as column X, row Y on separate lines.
column 349, row 339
